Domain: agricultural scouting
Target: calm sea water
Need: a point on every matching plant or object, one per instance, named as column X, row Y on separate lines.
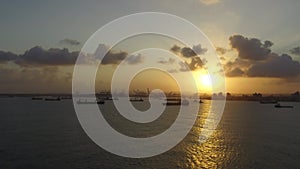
column 39, row 134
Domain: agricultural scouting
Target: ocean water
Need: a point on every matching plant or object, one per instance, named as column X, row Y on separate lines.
column 47, row 135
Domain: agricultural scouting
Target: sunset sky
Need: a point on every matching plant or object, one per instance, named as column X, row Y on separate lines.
column 258, row 43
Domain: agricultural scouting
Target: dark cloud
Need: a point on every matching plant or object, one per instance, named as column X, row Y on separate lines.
column 169, row 61
column 275, row 66
column 251, row 49
column 38, row 56
column 134, row 59
column 235, row 72
column 239, row 63
column 195, row 64
column 7, row 56
column 114, row 57
column 53, row 56
column 176, row 49
column 189, row 52
column 199, row 50
column 268, row 44
column 111, row 57
column 70, row 42
column 295, row 50
column 255, row 59
column 194, row 61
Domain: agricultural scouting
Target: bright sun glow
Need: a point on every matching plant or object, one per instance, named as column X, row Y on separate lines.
column 203, row 81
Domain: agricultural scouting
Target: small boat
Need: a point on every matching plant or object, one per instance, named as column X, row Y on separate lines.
column 173, row 99
column 172, row 103
column 66, row 97
column 281, row 106
column 176, row 102
column 52, row 99
column 91, row 102
column 136, row 100
column 100, row 101
column 268, row 101
column 110, row 98
column 36, row 98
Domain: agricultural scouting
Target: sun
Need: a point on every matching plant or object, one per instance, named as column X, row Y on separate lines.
column 203, row 81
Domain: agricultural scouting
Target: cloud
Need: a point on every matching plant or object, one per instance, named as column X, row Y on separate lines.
column 172, row 70
column 251, row 49
column 242, row 63
column 38, row 56
column 184, row 67
column 210, row 2
column 176, row 49
column 169, row 61
column 134, row 59
column 70, row 42
column 255, row 59
column 276, row 66
column 194, row 64
column 199, row 50
column 114, row 57
column 295, row 50
column 222, row 58
column 191, row 54
column 221, row 51
column 188, row 52
column 235, row 72
column 7, row 56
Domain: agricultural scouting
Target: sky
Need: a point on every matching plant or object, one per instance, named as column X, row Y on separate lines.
column 258, row 41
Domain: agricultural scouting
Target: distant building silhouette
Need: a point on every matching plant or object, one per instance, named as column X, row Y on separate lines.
column 296, row 94
column 257, row 94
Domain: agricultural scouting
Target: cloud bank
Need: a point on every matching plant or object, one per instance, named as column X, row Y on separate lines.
column 295, row 50
column 38, row 56
column 255, row 59
column 251, row 49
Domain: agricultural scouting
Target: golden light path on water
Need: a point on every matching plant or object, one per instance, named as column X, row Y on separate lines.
column 208, row 154
column 219, row 151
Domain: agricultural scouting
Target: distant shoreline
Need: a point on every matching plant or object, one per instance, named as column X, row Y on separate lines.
column 244, row 97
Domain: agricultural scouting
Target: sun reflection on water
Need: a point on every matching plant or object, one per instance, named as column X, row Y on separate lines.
column 213, row 153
